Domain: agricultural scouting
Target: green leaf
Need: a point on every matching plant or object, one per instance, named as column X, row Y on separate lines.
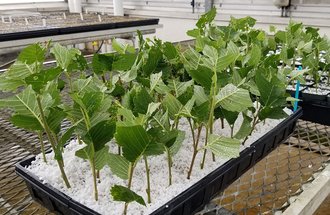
column 245, row 128
column 63, row 55
column 102, row 63
column 191, row 59
column 66, row 136
column 272, row 113
column 86, row 153
column 152, row 108
column 233, row 98
column 201, row 112
column 25, row 103
column 124, row 62
column 123, row 194
column 206, row 18
column 39, row 80
column 141, row 100
column 101, row 158
column 179, row 88
column 223, row 146
column 122, row 48
column 20, row 70
column 200, row 95
column 172, row 104
column 229, row 116
column 133, row 139
column 225, row 60
column 101, row 133
column 232, row 49
column 202, row 76
column 9, row 85
column 175, row 147
column 26, row 122
column 156, row 83
column 154, row 56
column 32, row 54
column 118, row 165
column 255, row 55
column 170, row 51
column 55, row 118
column 271, row 93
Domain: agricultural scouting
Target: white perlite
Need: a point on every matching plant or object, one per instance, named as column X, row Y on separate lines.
column 80, row 177
column 316, row 91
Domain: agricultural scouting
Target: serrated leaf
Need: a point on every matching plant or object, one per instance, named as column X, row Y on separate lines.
column 202, row 76
column 172, row 104
column 86, row 153
column 39, row 80
column 123, row 62
column 152, row 107
column 118, row 165
column 191, row 59
column 175, row 147
column 133, row 139
column 255, row 55
column 154, row 56
column 66, row 136
column 225, row 60
column 233, row 98
column 101, row 158
column 25, row 103
column 32, row 54
column 223, row 146
column 141, row 100
column 55, row 118
column 200, row 95
column 245, row 128
column 230, row 116
column 271, row 93
column 101, row 133
column 26, row 122
column 272, row 113
column 170, row 51
column 179, row 88
column 102, row 63
column 63, row 55
column 123, row 194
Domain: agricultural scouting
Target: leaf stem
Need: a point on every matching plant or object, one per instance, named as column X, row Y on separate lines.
column 96, row 193
column 148, row 178
column 195, row 151
column 52, row 142
column 42, row 146
column 169, row 163
column 209, row 127
column 130, row 178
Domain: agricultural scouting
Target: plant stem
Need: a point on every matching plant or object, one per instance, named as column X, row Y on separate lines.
column 130, row 178
column 96, row 194
column 209, row 127
column 231, row 131
column 42, row 146
column 195, row 152
column 169, row 163
column 148, row 178
column 52, row 142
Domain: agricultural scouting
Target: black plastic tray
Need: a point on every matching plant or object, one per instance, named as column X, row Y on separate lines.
column 189, row 201
column 306, row 97
column 318, row 112
column 75, row 29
